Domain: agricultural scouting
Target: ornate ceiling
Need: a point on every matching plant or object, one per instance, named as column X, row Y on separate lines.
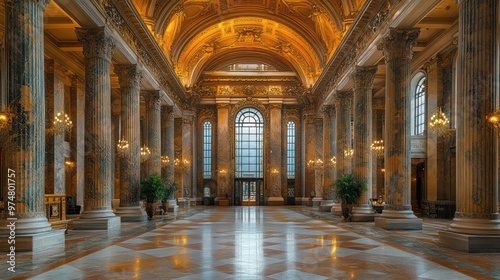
column 207, row 35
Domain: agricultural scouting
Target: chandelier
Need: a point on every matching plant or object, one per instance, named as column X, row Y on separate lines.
column 165, row 160
column 439, row 123
column 62, row 123
column 122, row 147
column 349, row 152
column 378, row 147
column 145, row 153
column 318, row 163
column 494, row 119
column 4, row 120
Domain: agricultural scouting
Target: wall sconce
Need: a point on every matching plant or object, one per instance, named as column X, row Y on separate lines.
column 377, row 147
column 382, row 169
column 223, row 172
column 4, row 120
column 145, row 153
column 439, row 123
column 275, row 171
column 165, row 160
column 122, row 147
column 494, row 119
column 333, row 160
column 62, row 123
column 69, row 165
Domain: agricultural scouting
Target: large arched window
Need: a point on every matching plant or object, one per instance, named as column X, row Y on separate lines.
column 207, row 150
column 419, row 107
column 249, row 146
column 290, row 150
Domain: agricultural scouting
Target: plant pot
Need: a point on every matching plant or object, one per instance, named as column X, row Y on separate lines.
column 346, row 210
column 164, row 206
column 151, row 209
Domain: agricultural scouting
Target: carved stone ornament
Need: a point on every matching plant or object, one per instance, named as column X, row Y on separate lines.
column 398, row 44
column 128, row 75
column 112, row 12
column 96, row 43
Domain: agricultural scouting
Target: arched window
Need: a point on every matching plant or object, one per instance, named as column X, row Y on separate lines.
column 249, row 146
column 419, row 107
column 290, row 150
column 207, row 150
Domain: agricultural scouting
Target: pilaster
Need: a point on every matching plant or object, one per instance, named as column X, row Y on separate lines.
column 153, row 115
column 223, row 149
column 276, row 158
column 167, row 149
column 77, row 144
column 397, row 47
column 329, row 174
column 343, row 105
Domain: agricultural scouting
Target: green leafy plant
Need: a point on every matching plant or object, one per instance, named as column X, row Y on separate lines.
column 170, row 188
column 152, row 188
column 348, row 190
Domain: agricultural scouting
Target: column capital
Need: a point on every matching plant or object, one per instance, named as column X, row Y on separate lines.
column 343, row 99
column 96, row 42
column 169, row 109
column 399, row 43
column 129, row 75
column 329, row 110
column 363, row 77
column 153, row 100
column 42, row 3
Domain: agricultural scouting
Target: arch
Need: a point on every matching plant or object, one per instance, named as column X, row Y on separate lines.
column 418, row 99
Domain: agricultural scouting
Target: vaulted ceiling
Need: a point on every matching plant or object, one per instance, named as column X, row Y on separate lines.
column 207, row 35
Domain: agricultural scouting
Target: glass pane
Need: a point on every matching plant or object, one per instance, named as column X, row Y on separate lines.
column 249, row 127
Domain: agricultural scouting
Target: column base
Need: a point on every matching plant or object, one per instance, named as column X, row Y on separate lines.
column 306, row 201
column 35, row 242
column 298, row 201
column 336, row 209
column 398, row 224
column 97, row 214
column 131, row 214
column 110, row 223
column 470, row 243
column 363, row 213
column 275, row 201
column 325, row 205
column 316, row 201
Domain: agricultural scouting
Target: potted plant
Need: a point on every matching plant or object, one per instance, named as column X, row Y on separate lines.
column 170, row 188
column 348, row 191
column 152, row 190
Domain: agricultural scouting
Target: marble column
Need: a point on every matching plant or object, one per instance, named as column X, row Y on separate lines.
column 187, row 157
column 309, row 132
column 343, row 105
column 329, row 176
column 97, row 48
column 397, row 47
column 77, row 143
column 378, row 170
column 433, row 90
column 319, row 165
column 362, row 164
column 167, row 149
column 25, row 148
column 153, row 114
column 129, row 77
column 56, row 148
column 276, row 164
column 476, row 226
column 223, row 152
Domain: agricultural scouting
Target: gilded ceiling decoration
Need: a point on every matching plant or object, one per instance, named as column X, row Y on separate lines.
column 196, row 35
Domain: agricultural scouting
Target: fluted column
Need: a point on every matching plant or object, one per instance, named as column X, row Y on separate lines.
column 167, row 149
column 25, row 101
column 223, row 155
column 56, row 149
column 188, row 181
column 153, row 113
column 398, row 50
column 328, row 152
column 129, row 77
column 309, row 132
column 362, row 165
column 343, row 104
column 77, row 144
column 275, row 156
column 167, row 143
column 25, row 98
column 477, row 216
column 97, row 48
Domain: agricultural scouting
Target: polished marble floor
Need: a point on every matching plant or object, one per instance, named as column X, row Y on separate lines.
column 270, row 243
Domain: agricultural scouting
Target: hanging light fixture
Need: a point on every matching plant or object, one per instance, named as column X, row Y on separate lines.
column 378, row 147
column 62, row 123
column 122, row 147
column 165, row 160
column 494, row 119
column 145, row 153
column 439, row 123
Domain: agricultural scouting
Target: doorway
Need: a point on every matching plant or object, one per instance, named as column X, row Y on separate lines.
column 248, row 192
